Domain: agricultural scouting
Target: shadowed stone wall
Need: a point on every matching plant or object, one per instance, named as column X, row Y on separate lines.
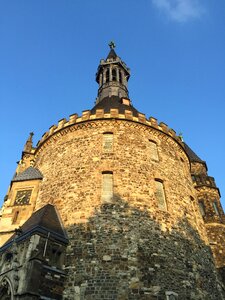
column 123, row 253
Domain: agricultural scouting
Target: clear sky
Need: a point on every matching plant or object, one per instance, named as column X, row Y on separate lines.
column 50, row 51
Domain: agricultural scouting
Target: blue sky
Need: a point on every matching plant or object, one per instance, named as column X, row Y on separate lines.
column 50, row 51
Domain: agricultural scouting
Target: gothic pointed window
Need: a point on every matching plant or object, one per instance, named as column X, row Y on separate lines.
column 107, row 141
column 107, row 75
column 5, row 290
column 107, row 186
column 160, row 194
column 114, row 75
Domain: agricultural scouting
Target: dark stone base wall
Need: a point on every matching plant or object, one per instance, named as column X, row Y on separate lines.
column 123, row 253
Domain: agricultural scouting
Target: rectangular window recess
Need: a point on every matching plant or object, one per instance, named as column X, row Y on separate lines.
column 107, row 141
column 160, row 195
column 153, row 151
column 107, row 187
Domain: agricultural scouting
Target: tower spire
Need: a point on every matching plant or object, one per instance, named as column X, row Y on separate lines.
column 112, row 76
column 29, row 143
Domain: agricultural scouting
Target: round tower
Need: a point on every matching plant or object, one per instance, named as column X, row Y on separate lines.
column 122, row 185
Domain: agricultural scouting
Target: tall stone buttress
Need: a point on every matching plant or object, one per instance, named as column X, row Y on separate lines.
column 111, row 205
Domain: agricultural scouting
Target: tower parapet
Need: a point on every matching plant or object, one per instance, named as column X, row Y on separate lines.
column 112, row 114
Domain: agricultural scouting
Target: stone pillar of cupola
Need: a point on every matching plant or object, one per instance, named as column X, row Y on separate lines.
column 117, row 75
column 100, row 79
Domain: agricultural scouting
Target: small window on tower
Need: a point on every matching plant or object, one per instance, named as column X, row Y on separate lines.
column 153, row 150
column 108, row 141
column 114, row 74
column 160, row 194
column 215, row 207
column 201, row 207
column 107, row 75
column 107, row 186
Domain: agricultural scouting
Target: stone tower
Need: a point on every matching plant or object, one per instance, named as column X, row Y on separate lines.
column 111, row 205
column 112, row 76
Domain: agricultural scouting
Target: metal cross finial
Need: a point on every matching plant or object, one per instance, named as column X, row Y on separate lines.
column 112, row 45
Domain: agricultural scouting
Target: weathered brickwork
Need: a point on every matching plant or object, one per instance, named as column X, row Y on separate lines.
column 126, row 249
column 123, row 253
column 216, row 234
column 134, row 172
column 198, row 168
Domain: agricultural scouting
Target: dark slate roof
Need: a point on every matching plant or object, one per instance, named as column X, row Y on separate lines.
column 114, row 102
column 112, row 54
column 45, row 220
column 29, row 174
column 45, row 217
column 192, row 155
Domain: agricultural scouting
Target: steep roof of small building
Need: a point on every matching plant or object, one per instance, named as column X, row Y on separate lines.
column 45, row 220
column 30, row 173
column 192, row 155
column 45, row 217
column 114, row 102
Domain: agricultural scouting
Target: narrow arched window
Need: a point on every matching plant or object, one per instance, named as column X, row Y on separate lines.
column 120, row 77
column 153, row 150
column 6, row 290
column 107, row 75
column 160, row 194
column 107, row 186
column 202, row 207
column 113, row 74
column 215, row 207
column 107, row 141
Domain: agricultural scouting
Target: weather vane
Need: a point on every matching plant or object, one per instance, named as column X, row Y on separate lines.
column 112, row 45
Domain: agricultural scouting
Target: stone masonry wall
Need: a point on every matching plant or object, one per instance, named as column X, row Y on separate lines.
column 215, row 223
column 128, row 248
column 73, row 161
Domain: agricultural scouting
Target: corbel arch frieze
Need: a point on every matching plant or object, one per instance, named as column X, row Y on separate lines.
column 104, row 123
